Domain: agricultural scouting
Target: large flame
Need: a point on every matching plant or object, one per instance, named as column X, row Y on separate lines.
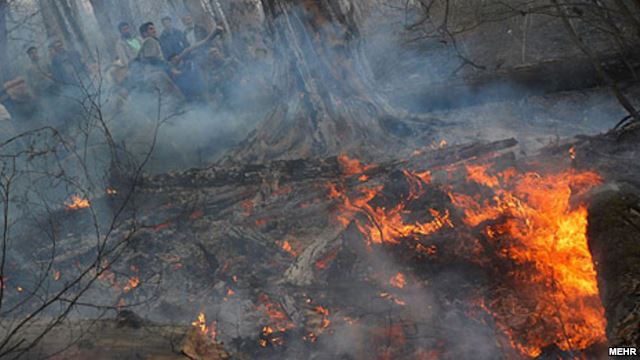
column 533, row 225
column 531, row 233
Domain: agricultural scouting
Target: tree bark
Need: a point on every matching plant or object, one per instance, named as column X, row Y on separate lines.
column 614, row 227
column 49, row 20
column 71, row 14
column 106, row 23
column 329, row 102
column 4, row 8
column 60, row 22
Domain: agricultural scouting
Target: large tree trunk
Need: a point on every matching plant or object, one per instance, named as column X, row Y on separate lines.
column 328, row 102
column 72, row 15
column 106, row 23
column 61, row 30
column 49, row 20
column 4, row 8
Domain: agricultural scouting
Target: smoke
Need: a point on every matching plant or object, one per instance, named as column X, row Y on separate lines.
column 435, row 316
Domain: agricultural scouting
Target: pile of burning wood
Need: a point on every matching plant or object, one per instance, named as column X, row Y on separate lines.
column 454, row 251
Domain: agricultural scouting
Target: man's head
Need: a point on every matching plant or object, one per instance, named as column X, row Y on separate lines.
column 187, row 21
column 125, row 30
column 148, row 30
column 167, row 23
column 32, row 52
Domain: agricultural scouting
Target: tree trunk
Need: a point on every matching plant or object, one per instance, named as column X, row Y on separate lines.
column 59, row 20
column 197, row 11
column 72, row 16
column 614, row 227
column 217, row 8
column 328, row 102
column 4, row 8
column 49, row 19
column 107, row 24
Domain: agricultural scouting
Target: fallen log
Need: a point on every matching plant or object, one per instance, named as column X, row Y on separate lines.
column 507, row 84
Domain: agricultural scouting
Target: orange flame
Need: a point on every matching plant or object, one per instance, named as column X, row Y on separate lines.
column 534, row 214
column 210, row 331
column 77, row 203
column 277, row 317
column 384, row 225
column 398, row 281
column 288, row 247
column 133, row 283
column 529, row 223
column 352, row 166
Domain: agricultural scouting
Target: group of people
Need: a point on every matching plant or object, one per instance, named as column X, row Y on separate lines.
column 182, row 64
column 176, row 58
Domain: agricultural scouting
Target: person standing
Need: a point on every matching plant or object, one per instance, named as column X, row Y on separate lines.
column 39, row 74
column 172, row 40
column 193, row 32
column 154, row 69
column 128, row 46
column 67, row 66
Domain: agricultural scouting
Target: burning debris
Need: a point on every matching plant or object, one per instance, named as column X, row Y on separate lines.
column 393, row 260
column 77, row 202
column 522, row 227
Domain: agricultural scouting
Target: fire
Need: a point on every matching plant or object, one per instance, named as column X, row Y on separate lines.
column 288, row 247
column 277, row 317
column 111, row 191
column 325, row 316
column 268, row 336
column 393, row 298
column 385, row 225
column 531, row 229
column 572, row 153
column 133, row 283
column 398, row 281
column 352, row 166
column 323, row 263
column 210, row 331
column 533, row 225
column 77, row 203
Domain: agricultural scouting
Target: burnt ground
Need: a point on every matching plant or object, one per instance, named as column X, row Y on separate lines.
column 213, row 241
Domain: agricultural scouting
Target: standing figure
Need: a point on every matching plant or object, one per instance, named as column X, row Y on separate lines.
column 154, row 69
column 193, row 32
column 128, row 46
column 67, row 66
column 172, row 40
column 39, row 74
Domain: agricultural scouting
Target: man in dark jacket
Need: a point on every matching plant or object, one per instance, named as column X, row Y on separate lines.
column 67, row 66
column 173, row 41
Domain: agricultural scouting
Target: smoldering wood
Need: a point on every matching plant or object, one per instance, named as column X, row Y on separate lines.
column 228, row 219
